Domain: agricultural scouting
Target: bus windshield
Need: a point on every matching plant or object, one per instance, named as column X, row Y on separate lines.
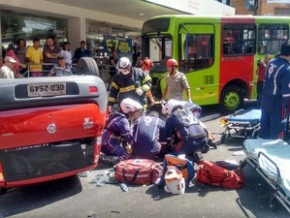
column 159, row 49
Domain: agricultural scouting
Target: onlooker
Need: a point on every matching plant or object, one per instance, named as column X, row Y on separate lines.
column 113, row 63
column 117, row 135
column 50, row 53
column 176, row 82
column 21, row 52
column 261, row 70
column 6, row 71
column 136, row 57
column 34, row 57
column 62, row 69
column 1, row 61
column 66, row 53
column 276, row 95
column 10, row 52
column 81, row 52
column 149, row 136
column 129, row 82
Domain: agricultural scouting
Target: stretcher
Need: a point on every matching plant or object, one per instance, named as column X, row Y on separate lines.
column 271, row 159
column 242, row 124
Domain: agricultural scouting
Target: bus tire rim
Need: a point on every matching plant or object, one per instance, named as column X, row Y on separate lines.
column 232, row 100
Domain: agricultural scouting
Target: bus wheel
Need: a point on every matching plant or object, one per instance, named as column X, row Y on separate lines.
column 231, row 99
column 87, row 66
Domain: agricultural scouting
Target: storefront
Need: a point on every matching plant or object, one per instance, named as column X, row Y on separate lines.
column 16, row 26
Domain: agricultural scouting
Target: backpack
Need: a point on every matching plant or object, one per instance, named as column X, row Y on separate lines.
column 185, row 117
column 138, row 171
column 212, row 174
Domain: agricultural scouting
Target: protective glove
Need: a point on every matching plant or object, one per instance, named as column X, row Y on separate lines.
column 139, row 91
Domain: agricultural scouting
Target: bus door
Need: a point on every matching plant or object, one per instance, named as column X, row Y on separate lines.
column 196, row 60
column 238, row 42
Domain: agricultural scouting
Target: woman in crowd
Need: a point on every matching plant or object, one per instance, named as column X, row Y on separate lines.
column 18, row 65
column 20, row 52
column 66, row 53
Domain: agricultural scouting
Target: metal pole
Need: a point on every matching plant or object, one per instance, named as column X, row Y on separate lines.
column 256, row 7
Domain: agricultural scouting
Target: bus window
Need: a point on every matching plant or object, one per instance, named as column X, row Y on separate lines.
column 197, row 51
column 158, row 49
column 271, row 37
column 239, row 39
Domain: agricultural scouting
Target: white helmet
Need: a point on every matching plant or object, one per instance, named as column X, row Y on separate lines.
column 167, row 108
column 128, row 105
column 123, row 63
column 123, row 66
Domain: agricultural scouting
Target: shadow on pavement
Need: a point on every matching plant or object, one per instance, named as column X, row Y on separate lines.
column 255, row 196
column 36, row 196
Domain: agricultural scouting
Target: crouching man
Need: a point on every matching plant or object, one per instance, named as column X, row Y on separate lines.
column 149, row 137
column 185, row 133
column 117, row 136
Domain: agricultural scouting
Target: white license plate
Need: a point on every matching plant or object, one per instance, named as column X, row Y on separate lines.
column 46, row 89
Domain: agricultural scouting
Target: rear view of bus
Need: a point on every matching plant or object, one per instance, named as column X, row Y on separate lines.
column 218, row 55
column 50, row 128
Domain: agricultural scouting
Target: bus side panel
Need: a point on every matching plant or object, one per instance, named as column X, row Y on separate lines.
column 236, row 67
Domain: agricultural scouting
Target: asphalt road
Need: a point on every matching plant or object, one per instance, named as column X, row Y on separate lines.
column 80, row 197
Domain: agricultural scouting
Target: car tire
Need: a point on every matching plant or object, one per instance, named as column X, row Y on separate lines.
column 87, row 66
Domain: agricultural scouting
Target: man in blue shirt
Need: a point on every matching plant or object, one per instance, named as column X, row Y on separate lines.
column 149, row 136
column 276, row 94
column 81, row 52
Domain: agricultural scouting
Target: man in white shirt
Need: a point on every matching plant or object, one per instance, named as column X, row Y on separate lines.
column 6, row 71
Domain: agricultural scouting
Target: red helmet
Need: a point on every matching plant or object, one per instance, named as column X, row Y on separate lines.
column 171, row 63
column 147, row 63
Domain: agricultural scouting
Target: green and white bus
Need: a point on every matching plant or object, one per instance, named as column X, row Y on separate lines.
column 218, row 54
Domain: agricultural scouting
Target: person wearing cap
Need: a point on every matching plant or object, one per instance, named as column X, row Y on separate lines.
column 176, row 82
column 6, row 71
column 118, row 134
column 62, row 69
column 129, row 82
column 276, row 95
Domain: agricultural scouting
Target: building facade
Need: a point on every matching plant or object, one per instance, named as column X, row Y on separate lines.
column 261, row 7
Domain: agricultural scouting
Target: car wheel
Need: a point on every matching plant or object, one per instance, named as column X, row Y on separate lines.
column 87, row 66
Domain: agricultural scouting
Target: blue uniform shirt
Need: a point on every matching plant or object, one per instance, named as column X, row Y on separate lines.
column 277, row 83
column 148, row 136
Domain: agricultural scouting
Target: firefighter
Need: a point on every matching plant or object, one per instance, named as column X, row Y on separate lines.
column 146, row 66
column 118, row 134
column 129, row 82
column 275, row 95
